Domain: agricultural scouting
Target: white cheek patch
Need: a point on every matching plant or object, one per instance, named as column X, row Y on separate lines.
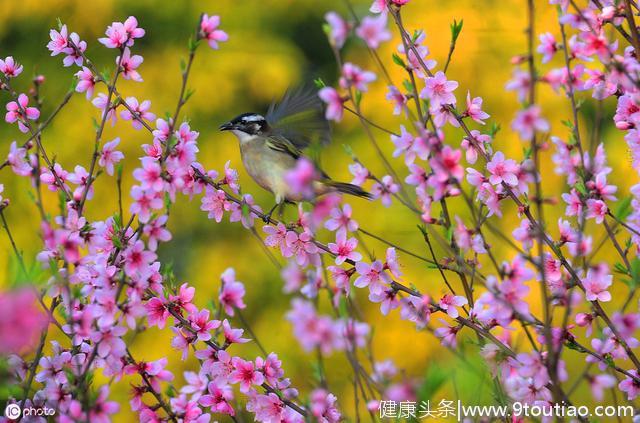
column 242, row 136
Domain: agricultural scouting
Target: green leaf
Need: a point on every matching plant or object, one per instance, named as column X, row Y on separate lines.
column 434, row 379
column 582, row 189
column 450, row 234
column 170, row 391
column 319, row 83
column 456, row 29
column 407, row 85
column 119, row 168
column 624, row 209
column 635, row 272
column 347, row 148
column 343, row 311
column 567, row 123
column 398, row 61
column 495, row 128
column 358, row 98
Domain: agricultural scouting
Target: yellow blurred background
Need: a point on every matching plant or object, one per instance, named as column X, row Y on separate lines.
column 274, row 44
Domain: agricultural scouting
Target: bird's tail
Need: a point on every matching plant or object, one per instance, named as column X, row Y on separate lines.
column 350, row 189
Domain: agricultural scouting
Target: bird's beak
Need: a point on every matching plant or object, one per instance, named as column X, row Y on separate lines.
column 227, row 126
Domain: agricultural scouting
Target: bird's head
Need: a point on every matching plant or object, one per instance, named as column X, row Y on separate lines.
column 246, row 125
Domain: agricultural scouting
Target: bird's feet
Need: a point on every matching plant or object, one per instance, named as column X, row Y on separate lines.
column 267, row 217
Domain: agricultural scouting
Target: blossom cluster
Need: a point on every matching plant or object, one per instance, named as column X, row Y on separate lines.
column 107, row 283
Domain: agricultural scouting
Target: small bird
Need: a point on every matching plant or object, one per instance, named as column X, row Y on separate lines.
column 271, row 146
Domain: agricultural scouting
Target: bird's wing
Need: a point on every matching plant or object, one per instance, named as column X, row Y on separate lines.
column 283, row 145
column 298, row 117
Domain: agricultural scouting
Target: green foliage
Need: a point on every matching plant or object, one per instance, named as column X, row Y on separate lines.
column 624, row 209
column 456, row 29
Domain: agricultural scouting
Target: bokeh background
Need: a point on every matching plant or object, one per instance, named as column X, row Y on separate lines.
column 274, row 44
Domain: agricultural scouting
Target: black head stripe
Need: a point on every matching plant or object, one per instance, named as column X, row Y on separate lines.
column 251, row 123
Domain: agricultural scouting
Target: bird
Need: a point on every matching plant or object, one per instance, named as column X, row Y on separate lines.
column 272, row 144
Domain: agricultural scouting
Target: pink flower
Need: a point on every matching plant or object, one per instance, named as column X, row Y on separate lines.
column 391, row 262
column 398, row 99
column 596, row 209
column 210, row 32
column 246, row 374
column 267, row 408
column 101, row 408
column 10, row 68
column 276, row 235
column 184, row 298
column 110, row 156
column 548, row 46
column 17, row 158
column 239, row 214
column 378, row 6
column 373, row 276
column 599, row 186
column 49, row 177
column 59, row 40
column 447, row 165
column 202, row 325
column 338, row 29
column 438, row 90
column 101, row 102
column 449, row 303
column 474, row 109
column 341, row 220
column 231, row 292
column 150, row 175
column 74, row 51
column 231, row 335
column 141, row 112
column 373, row 30
column 596, row 283
column 144, row 202
column 385, row 189
column 86, row 82
column 354, row 76
column 80, row 177
column 474, row 145
column 129, row 64
column 157, row 312
column 132, row 30
column 21, row 321
column 528, row 121
column 137, row 258
column 323, row 406
column 120, row 34
column 447, row 334
column 156, row 231
column 599, row 383
column 360, row 174
column 218, row 398
column 20, row 112
column 334, row 103
column 301, row 178
column 344, row 249
column 502, row 170
column 521, row 83
column 630, row 386
column 215, row 202
column 301, row 246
